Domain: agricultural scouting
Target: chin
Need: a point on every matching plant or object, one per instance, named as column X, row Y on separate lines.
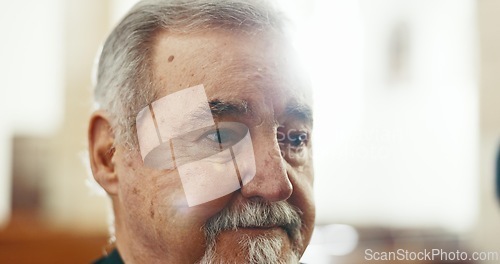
column 260, row 249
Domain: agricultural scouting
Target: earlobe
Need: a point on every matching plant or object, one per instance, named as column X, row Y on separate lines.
column 101, row 151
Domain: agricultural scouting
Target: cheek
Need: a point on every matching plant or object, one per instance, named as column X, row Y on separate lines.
column 303, row 198
column 137, row 196
column 302, row 179
column 159, row 199
column 154, row 213
column 169, row 199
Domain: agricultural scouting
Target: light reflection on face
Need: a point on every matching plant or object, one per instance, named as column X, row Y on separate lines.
column 212, row 160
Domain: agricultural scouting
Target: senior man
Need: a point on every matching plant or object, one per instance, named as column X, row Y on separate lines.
column 202, row 138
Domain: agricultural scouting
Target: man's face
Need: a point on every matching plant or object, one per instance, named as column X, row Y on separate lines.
column 249, row 79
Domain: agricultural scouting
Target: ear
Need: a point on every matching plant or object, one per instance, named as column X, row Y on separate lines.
column 101, row 151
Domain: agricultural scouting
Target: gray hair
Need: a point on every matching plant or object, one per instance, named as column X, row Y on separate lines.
column 125, row 81
column 261, row 249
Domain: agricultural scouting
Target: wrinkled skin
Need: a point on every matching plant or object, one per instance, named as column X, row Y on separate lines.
column 152, row 219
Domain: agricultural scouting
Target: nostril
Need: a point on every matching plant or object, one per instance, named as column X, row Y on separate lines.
column 268, row 187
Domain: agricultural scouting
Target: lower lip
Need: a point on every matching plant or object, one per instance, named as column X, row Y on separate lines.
column 258, row 230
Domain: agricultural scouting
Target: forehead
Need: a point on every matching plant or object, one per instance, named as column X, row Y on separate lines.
column 257, row 69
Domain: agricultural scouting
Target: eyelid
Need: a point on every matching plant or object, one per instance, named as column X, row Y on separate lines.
column 292, row 133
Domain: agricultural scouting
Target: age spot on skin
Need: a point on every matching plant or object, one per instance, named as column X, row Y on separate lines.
column 171, row 58
column 151, row 210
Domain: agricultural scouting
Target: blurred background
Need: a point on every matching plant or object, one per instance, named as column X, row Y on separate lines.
column 407, row 127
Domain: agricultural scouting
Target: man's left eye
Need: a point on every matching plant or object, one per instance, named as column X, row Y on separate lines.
column 293, row 145
column 298, row 139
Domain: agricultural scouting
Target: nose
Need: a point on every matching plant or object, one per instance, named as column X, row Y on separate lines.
column 271, row 182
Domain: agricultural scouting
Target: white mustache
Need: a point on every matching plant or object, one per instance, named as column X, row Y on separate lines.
column 256, row 214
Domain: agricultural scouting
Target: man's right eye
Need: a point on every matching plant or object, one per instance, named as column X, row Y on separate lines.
column 214, row 136
column 224, row 136
column 206, row 142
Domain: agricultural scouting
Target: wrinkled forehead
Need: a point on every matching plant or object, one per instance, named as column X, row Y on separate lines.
column 251, row 68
